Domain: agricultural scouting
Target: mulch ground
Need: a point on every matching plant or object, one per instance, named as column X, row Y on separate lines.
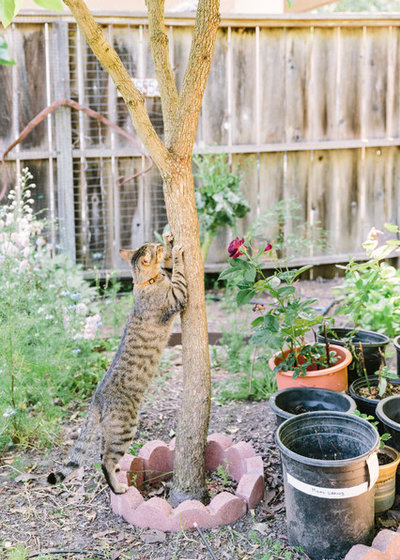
column 77, row 516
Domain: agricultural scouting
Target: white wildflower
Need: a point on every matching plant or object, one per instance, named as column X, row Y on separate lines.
column 81, row 308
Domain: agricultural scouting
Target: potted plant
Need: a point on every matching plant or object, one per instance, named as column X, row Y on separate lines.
column 373, row 346
column 368, row 390
column 388, row 460
column 282, row 325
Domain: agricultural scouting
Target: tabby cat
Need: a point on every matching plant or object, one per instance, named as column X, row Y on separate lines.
column 159, row 294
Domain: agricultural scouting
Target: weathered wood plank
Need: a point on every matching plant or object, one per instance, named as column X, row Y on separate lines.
column 298, row 52
column 272, row 85
column 214, row 112
column 376, row 82
column 350, row 84
column 322, row 100
column 29, row 52
column 243, row 83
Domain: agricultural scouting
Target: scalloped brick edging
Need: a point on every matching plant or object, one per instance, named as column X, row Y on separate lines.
column 385, row 546
column 155, row 460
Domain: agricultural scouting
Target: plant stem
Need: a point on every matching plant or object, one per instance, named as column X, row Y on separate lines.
column 328, row 361
column 205, row 246
column 364, row 368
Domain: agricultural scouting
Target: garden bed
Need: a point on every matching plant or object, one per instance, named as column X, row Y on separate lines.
column 78, row 516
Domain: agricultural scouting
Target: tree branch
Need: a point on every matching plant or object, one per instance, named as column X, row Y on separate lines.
column 134, row 100
column 159, row 46
column 195, row 78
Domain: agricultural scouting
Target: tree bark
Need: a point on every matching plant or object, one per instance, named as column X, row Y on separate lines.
column 174, row 162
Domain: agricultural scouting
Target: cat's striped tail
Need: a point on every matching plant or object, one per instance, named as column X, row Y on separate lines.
column 77, row 457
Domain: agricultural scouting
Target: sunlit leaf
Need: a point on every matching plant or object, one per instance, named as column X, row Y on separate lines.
column 7, row 11
column 55, row 5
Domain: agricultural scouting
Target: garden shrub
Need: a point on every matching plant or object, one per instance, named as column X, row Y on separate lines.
column 49, row 317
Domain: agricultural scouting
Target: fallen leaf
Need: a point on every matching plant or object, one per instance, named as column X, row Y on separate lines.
column 261, row 528
column 154, row 536
column 26, row 477
column 103, row 534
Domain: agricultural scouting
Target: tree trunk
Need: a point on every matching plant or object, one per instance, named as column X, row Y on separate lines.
column 189, row 471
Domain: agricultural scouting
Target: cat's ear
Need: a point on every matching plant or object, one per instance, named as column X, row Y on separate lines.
column 127, row 254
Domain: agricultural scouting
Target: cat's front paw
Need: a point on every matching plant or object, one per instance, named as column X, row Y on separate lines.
column 177, row 252
column 168, row 239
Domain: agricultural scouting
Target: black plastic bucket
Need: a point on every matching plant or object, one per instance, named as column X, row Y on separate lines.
column 372, row 343
column 396, row 343
column 330, row 466
column 297, row 400
column 388, row 412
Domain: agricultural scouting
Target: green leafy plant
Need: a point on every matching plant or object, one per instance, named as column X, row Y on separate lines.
column 284, row 323
column 10, row 8
column 49, row 319
column 370, row 294
column 219, row 200
column 372, row 420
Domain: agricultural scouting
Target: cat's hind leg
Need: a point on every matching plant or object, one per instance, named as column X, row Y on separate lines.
column 115, row 443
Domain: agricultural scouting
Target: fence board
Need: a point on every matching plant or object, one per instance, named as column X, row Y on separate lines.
column 322, row 101
column 298, row 52
column 349, row 235
column 272, row 85
column 214, row 116
column 244, row 91
column 376, row 82
column 377, row 181
column 350, row 84
column 29, row 51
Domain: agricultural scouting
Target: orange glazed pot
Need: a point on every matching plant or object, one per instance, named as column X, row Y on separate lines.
column 334, row 377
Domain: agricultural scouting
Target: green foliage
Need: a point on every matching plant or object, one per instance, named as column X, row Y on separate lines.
column 219, row 200
column 371, row 291
column 249, row 375
column 283, row 223
column 287, row 319
column 5, row 58
column 10, row 8
column 274, row 550
column 374, row 422
column 49, row 316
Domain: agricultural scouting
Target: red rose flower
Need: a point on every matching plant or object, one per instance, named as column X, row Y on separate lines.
column 234, row 247
column 268, row 248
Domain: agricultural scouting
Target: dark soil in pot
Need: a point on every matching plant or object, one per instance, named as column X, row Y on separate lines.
column 367, row 403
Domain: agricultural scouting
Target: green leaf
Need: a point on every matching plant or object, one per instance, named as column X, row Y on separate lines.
column 244, row 296
column 271, row 323
column 391, row 227
column 7, row 11
column 55, row 5
column 5, row 57
column 286, row 291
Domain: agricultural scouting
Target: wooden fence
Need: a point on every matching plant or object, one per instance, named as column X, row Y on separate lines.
column 310, row 104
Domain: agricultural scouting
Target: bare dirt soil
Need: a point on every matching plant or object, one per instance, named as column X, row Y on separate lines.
column 77, row 516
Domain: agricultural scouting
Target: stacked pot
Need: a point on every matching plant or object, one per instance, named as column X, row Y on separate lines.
column 332, row 478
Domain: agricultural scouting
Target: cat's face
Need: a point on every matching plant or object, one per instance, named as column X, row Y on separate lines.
column 145, row 261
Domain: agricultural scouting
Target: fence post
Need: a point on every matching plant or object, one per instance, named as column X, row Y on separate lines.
column 63, row 139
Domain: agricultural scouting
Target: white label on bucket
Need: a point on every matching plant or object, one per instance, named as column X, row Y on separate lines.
column 328, row 493
column 373, row 469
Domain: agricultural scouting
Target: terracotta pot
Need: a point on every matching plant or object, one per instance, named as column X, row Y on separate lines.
column 334, row 378
column 385, row 487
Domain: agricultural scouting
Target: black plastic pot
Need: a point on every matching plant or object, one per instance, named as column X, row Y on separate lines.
column 396, row 343
column 330, row 466
column 388, row 412
column 365, row 405
column 297, row 400
column 372, row 344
